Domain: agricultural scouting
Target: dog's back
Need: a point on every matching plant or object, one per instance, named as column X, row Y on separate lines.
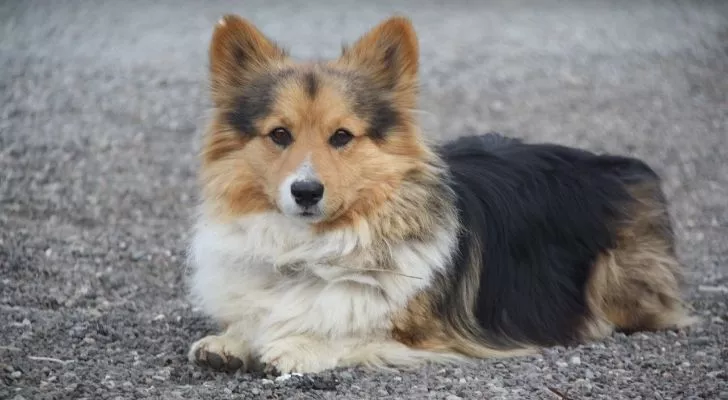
column 572, row 244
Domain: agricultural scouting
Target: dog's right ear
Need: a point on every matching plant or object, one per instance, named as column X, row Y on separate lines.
column 238, row 51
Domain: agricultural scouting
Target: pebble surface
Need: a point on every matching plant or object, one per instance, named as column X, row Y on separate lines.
column 101, row 106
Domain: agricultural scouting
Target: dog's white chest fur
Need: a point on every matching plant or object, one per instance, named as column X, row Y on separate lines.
column 278, row 278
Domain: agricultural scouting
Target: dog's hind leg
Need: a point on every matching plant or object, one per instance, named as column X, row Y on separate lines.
column 636, row 286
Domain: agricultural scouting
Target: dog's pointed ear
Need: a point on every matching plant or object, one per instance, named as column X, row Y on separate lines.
column 238, row 50
column 390, row 51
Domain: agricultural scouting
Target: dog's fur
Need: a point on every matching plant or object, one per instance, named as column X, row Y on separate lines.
column 482, row 247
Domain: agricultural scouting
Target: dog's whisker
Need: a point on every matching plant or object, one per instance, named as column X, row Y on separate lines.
column 383, row 270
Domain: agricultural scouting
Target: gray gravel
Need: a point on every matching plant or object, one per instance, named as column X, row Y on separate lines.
column 101, row 105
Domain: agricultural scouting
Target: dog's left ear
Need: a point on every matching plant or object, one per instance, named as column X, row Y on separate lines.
column 390, row 52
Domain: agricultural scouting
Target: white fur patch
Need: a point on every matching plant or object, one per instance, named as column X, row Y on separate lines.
column 286, row 201
column 290, row 291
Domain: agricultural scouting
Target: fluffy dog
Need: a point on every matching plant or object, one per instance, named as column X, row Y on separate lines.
column 330, row 233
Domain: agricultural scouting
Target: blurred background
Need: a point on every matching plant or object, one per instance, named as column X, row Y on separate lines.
column 102, row 105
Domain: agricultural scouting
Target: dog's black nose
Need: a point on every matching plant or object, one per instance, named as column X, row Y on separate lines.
column 307, row 193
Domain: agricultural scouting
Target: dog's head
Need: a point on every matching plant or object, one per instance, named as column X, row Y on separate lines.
column 320, row 142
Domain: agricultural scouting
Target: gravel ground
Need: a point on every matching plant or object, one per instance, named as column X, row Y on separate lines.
column 101, row 105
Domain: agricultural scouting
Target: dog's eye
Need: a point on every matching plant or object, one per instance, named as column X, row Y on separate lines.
column 281, row 137
column 340, row 138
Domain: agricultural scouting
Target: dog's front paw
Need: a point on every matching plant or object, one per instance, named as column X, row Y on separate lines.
column 297, row 355
column 222, row 353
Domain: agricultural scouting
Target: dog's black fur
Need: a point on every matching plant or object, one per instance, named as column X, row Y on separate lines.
column 540, row 215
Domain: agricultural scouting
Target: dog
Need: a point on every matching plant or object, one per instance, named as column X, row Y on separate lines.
column 330, row 233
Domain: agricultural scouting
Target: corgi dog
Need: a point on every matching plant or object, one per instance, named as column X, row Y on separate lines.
column 331, row 234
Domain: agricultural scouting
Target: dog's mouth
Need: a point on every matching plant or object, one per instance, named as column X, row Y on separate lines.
column 310, row 214
column 315, row 214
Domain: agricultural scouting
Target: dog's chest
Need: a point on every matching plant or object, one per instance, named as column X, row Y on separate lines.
column 284, row 280
column 280, row 274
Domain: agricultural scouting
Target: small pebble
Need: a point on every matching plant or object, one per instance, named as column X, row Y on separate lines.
column 453, row 397
column 702, row 340
column 713, row 374
column 576, row 360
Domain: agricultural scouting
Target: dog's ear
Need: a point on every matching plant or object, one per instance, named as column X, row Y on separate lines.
column 390, row 52
column 238, row 51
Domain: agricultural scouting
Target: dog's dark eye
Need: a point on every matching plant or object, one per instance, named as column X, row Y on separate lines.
column 281, row 137
column 340, row 138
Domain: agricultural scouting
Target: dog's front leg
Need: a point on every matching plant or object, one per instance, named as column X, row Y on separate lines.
column 228, row 351
column 301, row 354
